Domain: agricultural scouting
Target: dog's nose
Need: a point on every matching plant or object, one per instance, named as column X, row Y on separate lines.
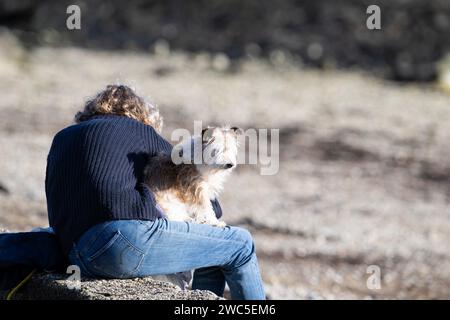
column 229, row 165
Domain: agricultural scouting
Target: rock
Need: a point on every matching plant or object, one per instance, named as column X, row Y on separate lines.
column 180, row 279
column 57, row 287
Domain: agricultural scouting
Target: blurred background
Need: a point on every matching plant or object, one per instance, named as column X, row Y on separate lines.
column 363, row 115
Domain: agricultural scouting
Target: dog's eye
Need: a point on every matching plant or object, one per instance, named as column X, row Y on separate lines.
column 180, row 153
column 213, row 152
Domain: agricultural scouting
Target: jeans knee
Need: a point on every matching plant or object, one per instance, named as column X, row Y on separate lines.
column 247, row 249
column 247, row 238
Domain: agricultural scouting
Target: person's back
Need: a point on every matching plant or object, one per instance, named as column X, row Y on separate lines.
column 98, row 164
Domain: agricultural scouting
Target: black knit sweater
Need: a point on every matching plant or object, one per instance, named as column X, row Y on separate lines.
column 94, row 174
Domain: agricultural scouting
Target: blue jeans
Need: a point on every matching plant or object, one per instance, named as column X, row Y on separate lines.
column 137, row 248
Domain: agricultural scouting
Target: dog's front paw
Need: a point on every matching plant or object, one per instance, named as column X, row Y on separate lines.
column 219, row 224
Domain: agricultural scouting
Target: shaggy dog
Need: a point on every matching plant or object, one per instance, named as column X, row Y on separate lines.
column 185, row 182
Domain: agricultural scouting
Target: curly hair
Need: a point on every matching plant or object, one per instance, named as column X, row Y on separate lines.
column 121, row 100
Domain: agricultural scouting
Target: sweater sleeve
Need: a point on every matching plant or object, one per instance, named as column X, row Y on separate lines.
column 155, row 142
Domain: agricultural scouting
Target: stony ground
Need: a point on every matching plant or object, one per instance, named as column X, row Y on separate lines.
column 57, row 287
column 364, row 175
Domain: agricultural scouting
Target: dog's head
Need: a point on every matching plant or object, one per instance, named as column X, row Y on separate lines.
column 216, row 148
column 220, row 147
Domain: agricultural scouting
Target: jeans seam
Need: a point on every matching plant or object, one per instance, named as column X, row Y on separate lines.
column 138, row 267
column 80, row 261
column 115, row 238
column 154, row 235
column 95, row 236
column 203, row 236
column 130, row 244
column 139, row 251
column 103, row 248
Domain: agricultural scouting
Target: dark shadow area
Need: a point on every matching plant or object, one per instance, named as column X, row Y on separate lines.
column 139, row 161
column 320, row 33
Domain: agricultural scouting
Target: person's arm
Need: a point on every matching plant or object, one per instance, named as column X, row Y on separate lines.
column 217, row 209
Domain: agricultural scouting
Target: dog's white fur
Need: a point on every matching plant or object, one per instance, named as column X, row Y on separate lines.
column 189, row 187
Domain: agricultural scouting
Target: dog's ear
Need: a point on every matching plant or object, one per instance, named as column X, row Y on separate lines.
column 237, row 131
column 207, row 133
